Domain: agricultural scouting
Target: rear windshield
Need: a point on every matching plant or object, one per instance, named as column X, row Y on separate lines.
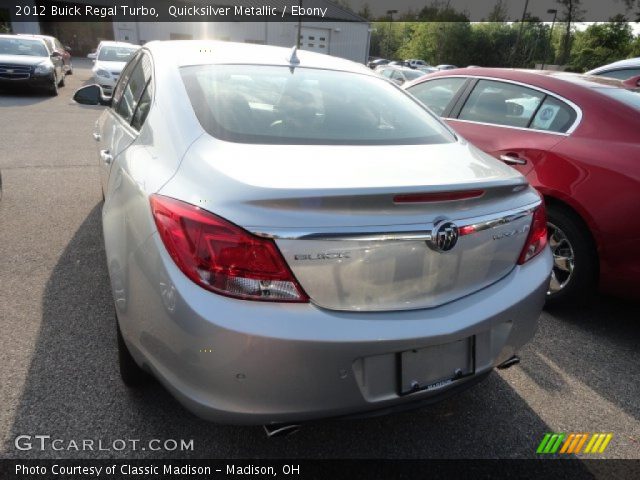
column 628, row 97
column 19, row 46
column 116, row 54
column 282, row 105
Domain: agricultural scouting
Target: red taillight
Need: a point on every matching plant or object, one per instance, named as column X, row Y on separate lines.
column 437, row 196
column 537, row 238
column 222, row 257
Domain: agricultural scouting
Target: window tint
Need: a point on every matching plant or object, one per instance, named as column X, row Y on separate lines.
column 279, row 105
column 144, row 105
column 553, row 116
column 437, row 94
column 123, row 80
column 621, row 74
column 501, row 103
column 133, row 90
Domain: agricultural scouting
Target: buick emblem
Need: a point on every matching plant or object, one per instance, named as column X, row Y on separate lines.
column 443, row 237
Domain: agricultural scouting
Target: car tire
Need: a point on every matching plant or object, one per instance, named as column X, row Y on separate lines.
column 130, row 373
column 53, row 88
column 575, row 259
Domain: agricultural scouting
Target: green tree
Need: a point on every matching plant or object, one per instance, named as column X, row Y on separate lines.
column 439, row 42
column 571, row 12
column 634, row 47
column 601, row 43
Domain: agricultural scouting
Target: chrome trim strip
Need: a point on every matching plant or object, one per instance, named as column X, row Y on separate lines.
column 575, row 107
column 395, row 233
column 560, row 134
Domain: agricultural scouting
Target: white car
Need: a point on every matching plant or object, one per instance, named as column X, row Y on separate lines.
column 416, row 63
column 109, row 60
column 622, row 70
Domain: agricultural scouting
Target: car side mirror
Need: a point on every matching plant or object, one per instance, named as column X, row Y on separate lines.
column 399, row 81
column 56, row 54
column 92, row 56
column 632, row 83
column 91, row 95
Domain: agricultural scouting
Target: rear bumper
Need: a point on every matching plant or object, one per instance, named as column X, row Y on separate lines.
column 243, row 362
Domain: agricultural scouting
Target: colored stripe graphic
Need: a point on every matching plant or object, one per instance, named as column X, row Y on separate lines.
column 544, row 441
column 572, row 443
column 581, row 443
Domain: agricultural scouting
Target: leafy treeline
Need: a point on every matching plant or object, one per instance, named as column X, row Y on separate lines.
column 439, row 34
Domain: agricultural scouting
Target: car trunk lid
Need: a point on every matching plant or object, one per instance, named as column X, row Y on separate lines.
column 360, row 226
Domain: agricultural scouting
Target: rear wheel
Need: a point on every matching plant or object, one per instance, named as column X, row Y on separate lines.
column 575, row 262
column 132, row 375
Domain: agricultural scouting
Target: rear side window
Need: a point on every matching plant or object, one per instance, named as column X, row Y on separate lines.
column 123, row 81
column 501, row 103
column 437, row 94
column 133, row 93
column 280, row 105
column 623, row 74
column 553, row 116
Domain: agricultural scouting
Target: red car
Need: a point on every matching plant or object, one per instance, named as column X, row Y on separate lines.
column 577, row 140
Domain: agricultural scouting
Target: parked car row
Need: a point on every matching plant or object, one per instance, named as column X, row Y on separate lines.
column 413, row 63
column 575, row 138
column 33, row 61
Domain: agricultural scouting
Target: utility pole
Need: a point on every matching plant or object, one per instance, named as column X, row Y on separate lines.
column 546, row 46
column 390, row 13
column 517, row 44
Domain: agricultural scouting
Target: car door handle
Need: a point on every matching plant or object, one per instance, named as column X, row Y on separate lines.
column 106, row 157
column 97, row 137
column 513, row 160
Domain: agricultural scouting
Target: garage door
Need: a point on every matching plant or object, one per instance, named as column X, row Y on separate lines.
column 315, row 39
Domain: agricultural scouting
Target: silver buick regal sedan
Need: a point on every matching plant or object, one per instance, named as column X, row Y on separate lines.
column 290, row 236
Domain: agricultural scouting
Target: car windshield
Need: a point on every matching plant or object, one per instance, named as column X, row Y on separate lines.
column 282, row 105
column 116, row 54
column 413, row 74
column 20, row 46
column 628, row 97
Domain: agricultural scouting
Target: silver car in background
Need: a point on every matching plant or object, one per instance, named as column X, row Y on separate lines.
column 290, row 236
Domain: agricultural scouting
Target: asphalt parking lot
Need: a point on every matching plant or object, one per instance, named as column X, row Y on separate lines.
column 58, row 352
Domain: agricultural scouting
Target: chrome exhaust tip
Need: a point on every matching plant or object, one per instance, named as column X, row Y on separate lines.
column 509, row 363
column 281, row 430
